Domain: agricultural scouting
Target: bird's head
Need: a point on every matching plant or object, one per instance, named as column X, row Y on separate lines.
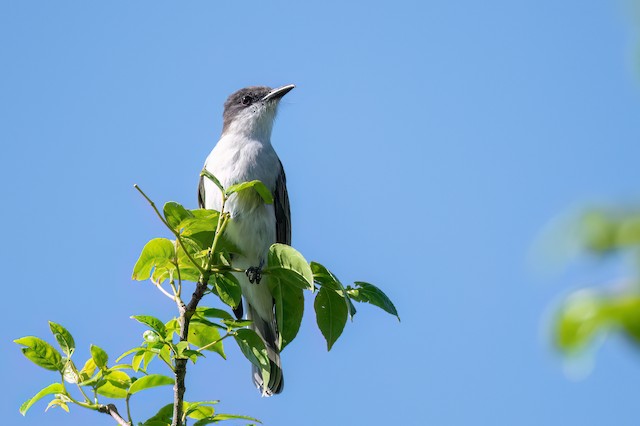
column 252, row 110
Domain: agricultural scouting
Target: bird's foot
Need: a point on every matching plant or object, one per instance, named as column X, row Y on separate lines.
column 254, row 274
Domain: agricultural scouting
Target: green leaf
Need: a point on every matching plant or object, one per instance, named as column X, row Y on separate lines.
column 578, row 321
column 331, row 314
column 258, row 186
column 150, row 381
column 155, row 324
column 237, row 323
column 164, row 414
column 628, row 231
column 87, row 370
column 41, row 353
column 129, row 352
column 115, row 385
column 598, row 231
column 156, row 253
column 198, row 233
column 172, row 327
column 253, row 348
column 58, row 403
column 220, row 417
column 157, row 422
column 626, row 311
column 92, row 380
column 325, row 278
column 175, row 214
column 64, row 338
column 201, row 220
column 227, row 288
column 202, row 333
column 136, row 360
column 147, row 358
column 51, row 389
column 199, row 410
column 289, row 266
column 365, row 292
column 99, row 356
column 214, row 313
column 289, row 309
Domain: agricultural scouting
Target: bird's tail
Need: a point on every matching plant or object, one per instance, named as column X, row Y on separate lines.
column 269, row 333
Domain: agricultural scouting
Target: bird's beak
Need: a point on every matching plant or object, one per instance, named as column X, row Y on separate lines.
column 278, row 93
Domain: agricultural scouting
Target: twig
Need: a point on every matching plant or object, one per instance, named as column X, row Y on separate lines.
column 215, row 342
column 165, row 292
column 111, row 410
column 129, row 409
column 177, row 234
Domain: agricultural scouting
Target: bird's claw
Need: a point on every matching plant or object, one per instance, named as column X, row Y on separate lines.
column 254, row 273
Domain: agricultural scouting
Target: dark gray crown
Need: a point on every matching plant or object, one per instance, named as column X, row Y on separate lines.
column 240, row 100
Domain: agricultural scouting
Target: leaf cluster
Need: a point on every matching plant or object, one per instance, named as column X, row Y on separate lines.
column 585, row 314
column 199, row 253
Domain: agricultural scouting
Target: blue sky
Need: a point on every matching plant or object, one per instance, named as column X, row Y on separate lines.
column 426, row 145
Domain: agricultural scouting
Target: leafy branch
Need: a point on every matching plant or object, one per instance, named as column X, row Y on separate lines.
column 200, row 253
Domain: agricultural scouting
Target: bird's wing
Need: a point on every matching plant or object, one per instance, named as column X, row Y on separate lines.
column 281, row 206
column 201, row 193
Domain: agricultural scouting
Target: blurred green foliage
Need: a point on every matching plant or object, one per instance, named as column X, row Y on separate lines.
column 588, row 313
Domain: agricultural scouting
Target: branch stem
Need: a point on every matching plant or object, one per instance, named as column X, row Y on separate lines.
column 187, row 311
column 111, row 410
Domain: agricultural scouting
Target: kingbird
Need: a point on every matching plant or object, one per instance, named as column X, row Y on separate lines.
column 244, row 153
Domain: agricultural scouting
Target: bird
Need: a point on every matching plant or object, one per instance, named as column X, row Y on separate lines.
column 244, row 153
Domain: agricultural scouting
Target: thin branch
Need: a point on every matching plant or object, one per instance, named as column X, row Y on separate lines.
column 165, row 292
column 129, row 408
column 111, row 410
column 208, row 345
column 173, row 231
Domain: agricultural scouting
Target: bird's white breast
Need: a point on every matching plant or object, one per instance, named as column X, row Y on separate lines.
column 237, row 159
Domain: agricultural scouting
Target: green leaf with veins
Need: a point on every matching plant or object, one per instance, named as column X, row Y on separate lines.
column 54, row 388
column 153, row 322
column 213, row 313
column 220, row 417
column 258, row 186
column 253, row 348
column 203, row 332
column 365, row 292
column 227, row 288
column 289, row 308
column 156, row 253
column 175, row 214
column 116, row 385
column 99, row 356
column 87, row 370
column 325, row 278
column 63, row 337
column 331, row 314
column 289, row 266
column 150, row 381
column 41, row 353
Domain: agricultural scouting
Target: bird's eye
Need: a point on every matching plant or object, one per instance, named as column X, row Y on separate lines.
column 246, row 100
